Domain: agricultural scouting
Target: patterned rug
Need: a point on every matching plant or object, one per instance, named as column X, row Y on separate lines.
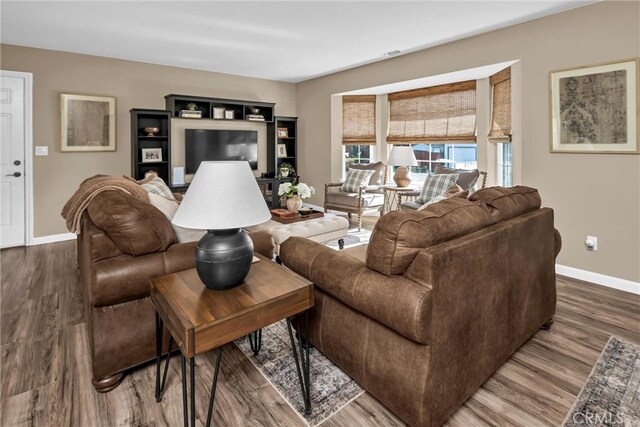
column 331, row 389
column 611, row 395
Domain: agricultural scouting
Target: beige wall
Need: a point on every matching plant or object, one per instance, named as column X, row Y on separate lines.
column 135, row 85
column 591, row 194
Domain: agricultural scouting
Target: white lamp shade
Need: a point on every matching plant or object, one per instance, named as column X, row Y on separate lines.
column 402, row 156
column 222, row 195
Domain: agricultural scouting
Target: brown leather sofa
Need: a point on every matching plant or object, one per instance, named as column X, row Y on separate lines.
column 124, row 243
column 444, row 297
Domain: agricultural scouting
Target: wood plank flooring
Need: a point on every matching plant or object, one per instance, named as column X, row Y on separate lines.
column 46, row 376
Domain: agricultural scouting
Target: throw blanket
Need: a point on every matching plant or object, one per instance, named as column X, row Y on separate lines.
column 88, row 189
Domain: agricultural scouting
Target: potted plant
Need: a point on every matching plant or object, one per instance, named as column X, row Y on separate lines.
column 294, row 193
column 285, row 170
column 192, row 106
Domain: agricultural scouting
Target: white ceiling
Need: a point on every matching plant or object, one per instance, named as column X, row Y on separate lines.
column 288, row 41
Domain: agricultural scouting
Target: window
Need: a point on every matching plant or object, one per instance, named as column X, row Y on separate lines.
column 504, row 164
column 455, row 156
column 440, row 124
column 500, row 132
column 358, row 154
column 358, row 129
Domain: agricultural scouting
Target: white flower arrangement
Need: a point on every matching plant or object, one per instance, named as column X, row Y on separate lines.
column 302, row 190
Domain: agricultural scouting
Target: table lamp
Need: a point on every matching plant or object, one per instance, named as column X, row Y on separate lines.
column 222, row 198
column 403, row 157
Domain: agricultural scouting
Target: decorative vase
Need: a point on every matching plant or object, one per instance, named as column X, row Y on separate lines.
column 284, row 172
column 294, row 204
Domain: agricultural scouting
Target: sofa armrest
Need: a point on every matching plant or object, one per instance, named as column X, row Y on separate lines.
column 126, row 277
column 396, row 302
column 262, row 243
column 557, row 240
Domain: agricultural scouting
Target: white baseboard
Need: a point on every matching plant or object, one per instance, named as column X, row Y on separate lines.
column 599, row 279
column 52, row 239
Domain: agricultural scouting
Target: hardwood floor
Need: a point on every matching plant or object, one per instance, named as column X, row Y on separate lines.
column 46, row 379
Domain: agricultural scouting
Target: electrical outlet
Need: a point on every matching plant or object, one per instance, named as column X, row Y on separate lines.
column 591, row 243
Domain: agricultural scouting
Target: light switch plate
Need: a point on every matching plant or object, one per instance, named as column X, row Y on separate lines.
column 42, row 150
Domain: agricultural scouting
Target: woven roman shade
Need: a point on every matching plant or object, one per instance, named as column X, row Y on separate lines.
column 359, row 119
column 501, row 106
column 433, row 114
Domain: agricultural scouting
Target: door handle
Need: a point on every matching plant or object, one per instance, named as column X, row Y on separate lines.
column 16, row 174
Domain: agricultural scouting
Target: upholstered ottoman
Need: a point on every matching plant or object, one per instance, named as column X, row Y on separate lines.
column 321, row 230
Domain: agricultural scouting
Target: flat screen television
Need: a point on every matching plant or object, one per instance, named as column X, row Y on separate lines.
column 212, row 144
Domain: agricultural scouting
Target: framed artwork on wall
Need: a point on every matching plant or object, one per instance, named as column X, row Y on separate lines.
column 88, row 123
column 594, row 109
column 283, row 132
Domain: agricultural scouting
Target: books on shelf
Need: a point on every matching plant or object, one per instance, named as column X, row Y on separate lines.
column 255, row 117
column 190, row 114
column 282, row 213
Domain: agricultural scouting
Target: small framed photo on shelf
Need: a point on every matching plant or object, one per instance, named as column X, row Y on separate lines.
column 283, row 133
column 282, row 150
column 229, row 114
column 151, row 155
column 218, row 113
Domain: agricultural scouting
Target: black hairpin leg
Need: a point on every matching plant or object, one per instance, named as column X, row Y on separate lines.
column 255, row 341
column 160, row 384
column 302, row 364
column 341, row 243
column 190, row 413
column 185, row 413
column 213, row 385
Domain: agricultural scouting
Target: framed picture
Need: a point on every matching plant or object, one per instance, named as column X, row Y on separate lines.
column 594, row 109
column 283, row 132
column 151, row 155
column 282, row 150
column 229, row 114
column 218, row 113
column 88, row 123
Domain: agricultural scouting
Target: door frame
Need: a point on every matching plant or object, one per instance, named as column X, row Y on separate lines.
column 28, row 150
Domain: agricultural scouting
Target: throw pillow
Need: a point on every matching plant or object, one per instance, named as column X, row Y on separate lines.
column 356, row 178
column 157, row 186
column 164, row 205
column 377, row 179
column 169, row 209
column 436, row 185
column 466, row 179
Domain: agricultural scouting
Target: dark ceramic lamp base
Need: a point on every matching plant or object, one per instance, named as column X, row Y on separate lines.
column 223, row 258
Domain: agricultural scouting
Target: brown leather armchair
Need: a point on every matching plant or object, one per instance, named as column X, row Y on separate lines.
column 368, row 198
column 124, row 243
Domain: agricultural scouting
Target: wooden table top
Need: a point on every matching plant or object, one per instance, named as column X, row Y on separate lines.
column 201, row 319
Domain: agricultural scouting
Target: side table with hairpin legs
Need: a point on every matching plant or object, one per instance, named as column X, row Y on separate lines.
column 201, row 319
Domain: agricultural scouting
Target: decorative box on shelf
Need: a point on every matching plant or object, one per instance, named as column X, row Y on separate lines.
column 191, row 114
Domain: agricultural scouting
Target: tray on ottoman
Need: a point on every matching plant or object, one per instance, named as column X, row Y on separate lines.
column 298, row 217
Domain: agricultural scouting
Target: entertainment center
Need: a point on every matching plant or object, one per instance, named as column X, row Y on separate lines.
column 152, row 151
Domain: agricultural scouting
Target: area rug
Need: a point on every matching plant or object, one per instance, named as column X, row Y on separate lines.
column 611, row 395
column 331, row 389
column 354, row 238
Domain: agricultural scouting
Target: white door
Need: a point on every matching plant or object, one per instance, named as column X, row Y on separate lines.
column 12, row 143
